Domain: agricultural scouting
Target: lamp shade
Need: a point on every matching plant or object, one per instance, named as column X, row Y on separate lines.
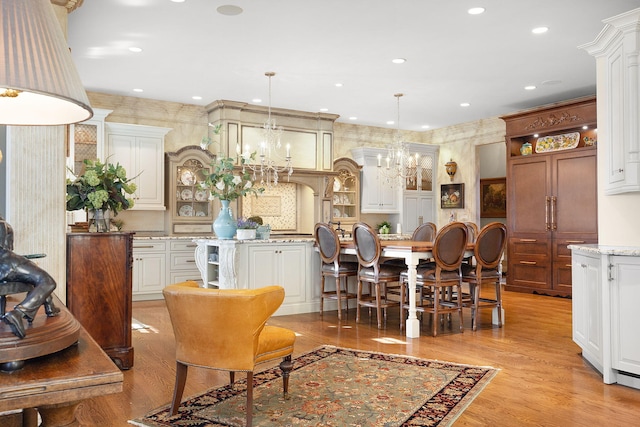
column 39, row 84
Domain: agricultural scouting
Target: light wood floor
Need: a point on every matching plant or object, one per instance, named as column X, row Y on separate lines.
column 543, row 380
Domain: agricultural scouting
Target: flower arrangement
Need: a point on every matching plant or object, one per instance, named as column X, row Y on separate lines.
column 384, row 227
column 224, row 184
column 247, row 224
column 102, row 186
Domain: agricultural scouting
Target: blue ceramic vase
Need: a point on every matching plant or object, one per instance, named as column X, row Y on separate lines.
column 225, row 226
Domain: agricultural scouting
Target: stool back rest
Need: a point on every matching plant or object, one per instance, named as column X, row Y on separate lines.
column 490, row 245
column 368, row 248
column 449, row 246
column 425, row 232
column 328, row 242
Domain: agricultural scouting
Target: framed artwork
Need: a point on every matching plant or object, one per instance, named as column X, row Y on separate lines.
column 493, row 198
column 452, row 196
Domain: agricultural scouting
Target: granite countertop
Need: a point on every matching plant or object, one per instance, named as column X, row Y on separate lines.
column 597, row 249
column 275, row 238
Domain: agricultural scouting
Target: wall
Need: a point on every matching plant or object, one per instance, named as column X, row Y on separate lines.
column 492, row 159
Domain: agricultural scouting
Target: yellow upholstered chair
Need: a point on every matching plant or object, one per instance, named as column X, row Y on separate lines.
column 225, row 329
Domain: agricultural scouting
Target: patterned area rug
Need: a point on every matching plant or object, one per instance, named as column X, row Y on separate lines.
column 334, row 386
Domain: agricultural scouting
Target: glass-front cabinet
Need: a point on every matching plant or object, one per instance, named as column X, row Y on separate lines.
column 190, row 209
column 346, row 193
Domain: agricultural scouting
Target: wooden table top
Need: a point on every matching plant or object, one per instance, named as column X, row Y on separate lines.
column 78, row 372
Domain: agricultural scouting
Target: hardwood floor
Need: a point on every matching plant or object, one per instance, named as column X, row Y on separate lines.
column 543, row 380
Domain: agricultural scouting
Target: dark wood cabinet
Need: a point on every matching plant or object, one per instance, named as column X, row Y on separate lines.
column 551, row 194
column 99, row 289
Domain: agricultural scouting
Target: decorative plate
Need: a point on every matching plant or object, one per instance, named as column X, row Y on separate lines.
column 200, row 213
column 336, row 185
column 186, row 210
column 336, row 213
column 186, row 194
column 345, row 199
column 201, row 195
column 336, row 199
column 187, row 177
column 566, row 141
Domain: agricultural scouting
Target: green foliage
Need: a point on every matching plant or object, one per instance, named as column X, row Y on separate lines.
column 225, row 184
column 102, row 186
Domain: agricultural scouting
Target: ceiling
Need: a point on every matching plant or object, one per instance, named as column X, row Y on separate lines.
column 190, row 49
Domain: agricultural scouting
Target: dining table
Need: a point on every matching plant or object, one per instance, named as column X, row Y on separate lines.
column 412, row 251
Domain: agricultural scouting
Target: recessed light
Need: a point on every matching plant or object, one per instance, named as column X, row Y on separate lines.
column 353, row 118
column 390, row 122
column 551, row 82
column 229, row 10
column 535, row 135
column 138, row 90
column 256, row 100
column 425, row 126
column 338, row 84
column 464, row 104
column 476, row 10
column 540, row 30
column 530, row 87
column 135, row 49
column 196, row 97
column 398, row 60
column 324, row 110
column 178, row 1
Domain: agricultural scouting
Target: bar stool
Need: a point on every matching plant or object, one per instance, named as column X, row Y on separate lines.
column 328, row 244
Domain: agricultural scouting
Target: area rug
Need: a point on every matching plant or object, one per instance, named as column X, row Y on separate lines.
column 333, row 386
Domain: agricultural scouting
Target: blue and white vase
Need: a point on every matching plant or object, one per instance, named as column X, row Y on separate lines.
column 224, row 225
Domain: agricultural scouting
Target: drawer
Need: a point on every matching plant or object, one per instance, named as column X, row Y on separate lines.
column 182, row 261
column 184, row 276
column 149, row 245
column 183, row 245
column 529, row 247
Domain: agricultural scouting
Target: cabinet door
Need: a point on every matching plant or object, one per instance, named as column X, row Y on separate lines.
column 528, row 187
column 378, row 195
column 149, row 272
column 587, row 306
column 625, row 323
column 417, row 209
column 150, row 166
column 263, row 266
column 292, row 261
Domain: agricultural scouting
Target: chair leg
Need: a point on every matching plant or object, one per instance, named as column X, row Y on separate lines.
column 378, row 306
column 181, row 379
column 286, row 366
column 232, row 377
column 499, row 299
column 322, row 295
column 338, row 284
column 436, row 303
column 358, row 299
column 460, row 306
column 249, row 398
column 474, row 290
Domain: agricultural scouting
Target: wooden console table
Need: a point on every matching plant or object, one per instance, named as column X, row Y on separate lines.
column 54, row 385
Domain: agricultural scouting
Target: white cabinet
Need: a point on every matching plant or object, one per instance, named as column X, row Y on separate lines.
column 625, row 323
column 616, row 50
column 419, row 195
column 378, row 196
column 606, row 289
column 281, row 264
column 140, row 150
column 587, row 307
column 182, row 262
column 149, row 269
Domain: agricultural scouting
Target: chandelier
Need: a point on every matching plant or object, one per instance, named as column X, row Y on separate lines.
column 268, row 164
column 399, row 164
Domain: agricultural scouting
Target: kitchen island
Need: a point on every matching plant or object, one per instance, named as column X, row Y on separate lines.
column 606, row 290
column 288, row 261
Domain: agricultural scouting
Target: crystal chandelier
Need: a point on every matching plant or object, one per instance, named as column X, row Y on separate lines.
column 267, row 164
column 399, row 164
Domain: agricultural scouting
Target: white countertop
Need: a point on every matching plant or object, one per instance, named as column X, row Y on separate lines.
column 597, row 249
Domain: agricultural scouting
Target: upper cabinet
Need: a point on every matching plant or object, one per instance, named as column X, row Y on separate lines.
column 86, row 141
column 377, row 195
column 617, row 49
column 140, row 150
column 419, row 193
column 189, row 205
column 346, row 193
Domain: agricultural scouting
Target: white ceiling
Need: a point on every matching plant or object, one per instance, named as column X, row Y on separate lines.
column 452, row 57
